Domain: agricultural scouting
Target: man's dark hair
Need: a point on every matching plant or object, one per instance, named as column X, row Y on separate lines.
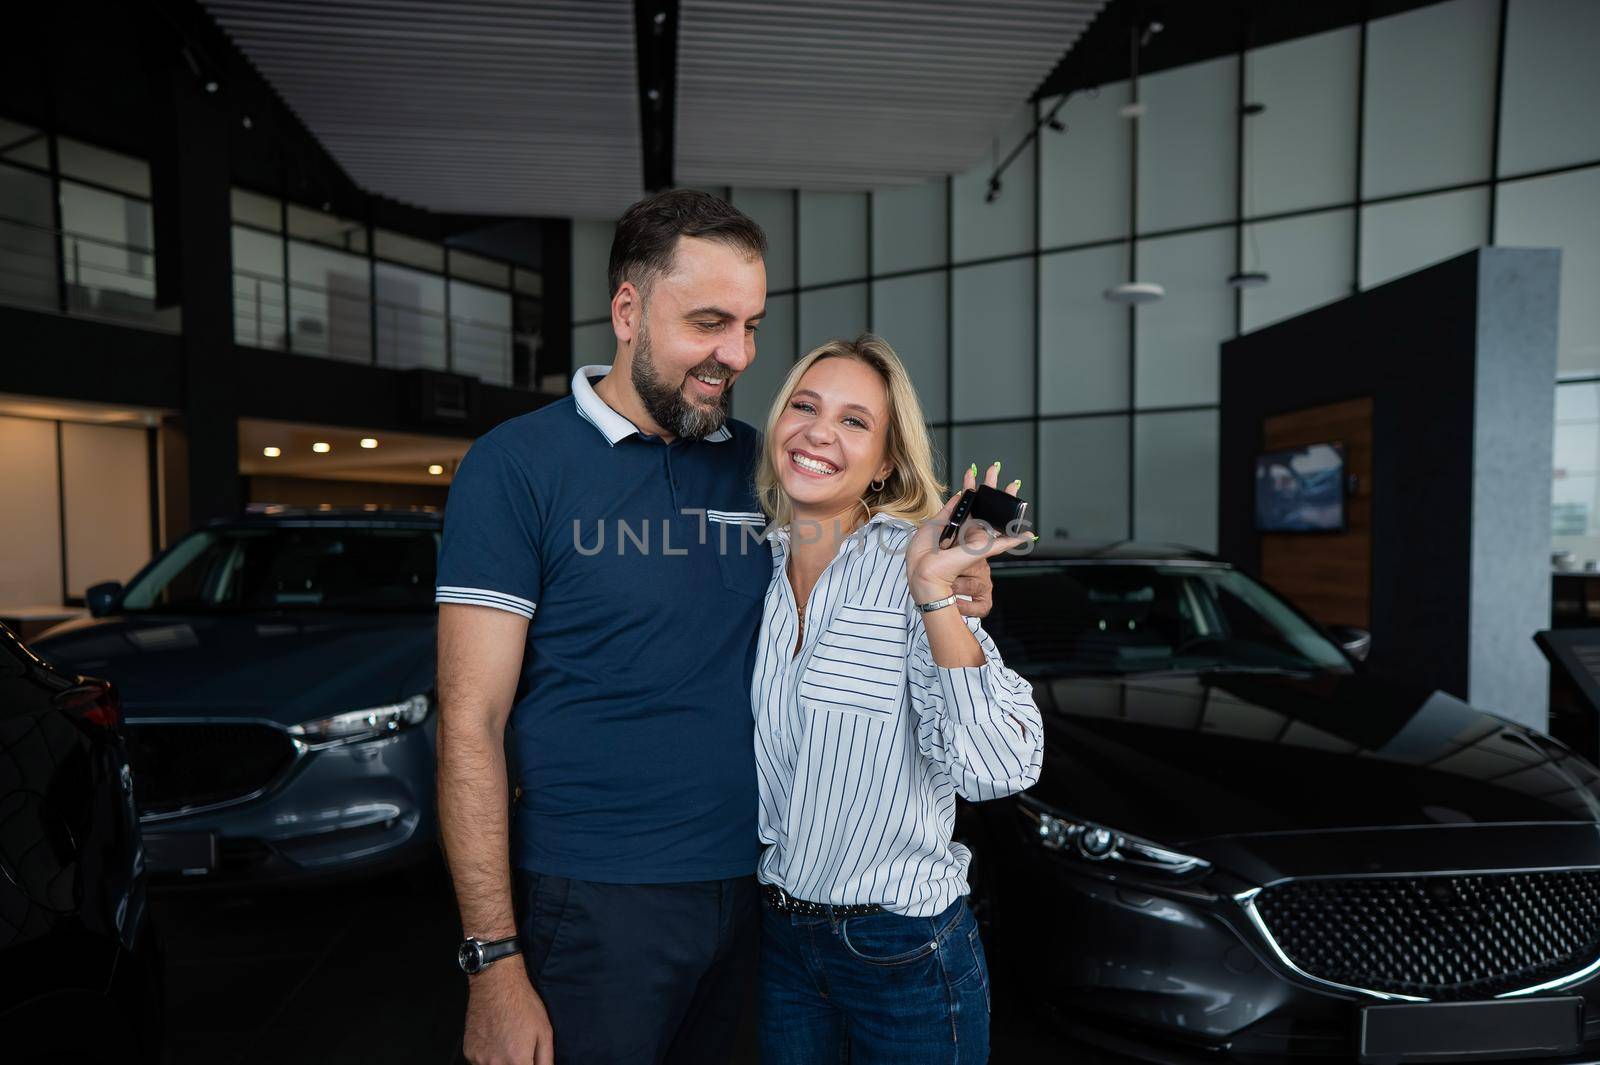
column 647, row 235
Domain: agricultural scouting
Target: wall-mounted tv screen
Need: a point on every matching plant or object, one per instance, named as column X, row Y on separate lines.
column 1301, row 490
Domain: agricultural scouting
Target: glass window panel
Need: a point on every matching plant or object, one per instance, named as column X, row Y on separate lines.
column 1560, row 212
column 1430, row 97
column 910, row 227
column 1301, row 151
column 480, row 332
column 527, row 282
column 593, row 345
column 258, row 298
column 1577, row 448
column 1083, row 482
column 409, row 251
column 324, row 228
column 106, row 252
column 1307, row 259
column 410, row 317
column 1009, row 442
column 1006, row 226
column 105, row 481
column 254, row 209
column 833, row 237
column 591, row 251
column 1551, row 90
column 773, row 211
column 1178, row 336
column 112, row 169
column 330, row 294
column 1175, row 478
column 30, row 537
column 993, row 345
column 1085, row 169
column 1406, row 235
column 830, row 313
column 28, row 245
column 24, row 144
column 753, row 392
column 1577, row 402
column 911, row 314
column 939, row 439
column 485, row 271
column 1083, row 335
column 1186, row 145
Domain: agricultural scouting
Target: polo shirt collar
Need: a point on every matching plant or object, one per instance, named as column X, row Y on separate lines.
column 613, row 426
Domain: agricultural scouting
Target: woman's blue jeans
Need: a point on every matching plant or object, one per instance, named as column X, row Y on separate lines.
column 877, row 990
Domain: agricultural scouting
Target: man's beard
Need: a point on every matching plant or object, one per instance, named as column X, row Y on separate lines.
column 665, row 402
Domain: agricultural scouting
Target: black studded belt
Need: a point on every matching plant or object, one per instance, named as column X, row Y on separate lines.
column 784, row 902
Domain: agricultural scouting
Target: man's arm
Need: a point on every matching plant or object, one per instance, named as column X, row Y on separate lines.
column 480, row 660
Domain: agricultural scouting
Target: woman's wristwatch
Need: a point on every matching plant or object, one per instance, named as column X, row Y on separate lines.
column 937, row 604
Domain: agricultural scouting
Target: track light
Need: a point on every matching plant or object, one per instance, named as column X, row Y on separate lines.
column 1135, row 292
column 1056, row 124
column 1249, row 279
column 994, row 191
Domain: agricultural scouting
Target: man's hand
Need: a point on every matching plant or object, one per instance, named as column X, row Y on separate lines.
column 506, row 1020
column 977, row 582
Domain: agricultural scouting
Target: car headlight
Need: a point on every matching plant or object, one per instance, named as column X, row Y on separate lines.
column 1097, row 843
column 368, row 724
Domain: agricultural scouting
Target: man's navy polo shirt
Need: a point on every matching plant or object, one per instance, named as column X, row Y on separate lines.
column 640, row 566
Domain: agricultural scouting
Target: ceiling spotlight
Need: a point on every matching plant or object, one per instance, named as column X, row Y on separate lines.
column 247, row 122
column 369, row 442
column 1249, row 279
column 436, row 469
column 1135, row 292
column 322, row 447
column 327, row 205
column 210, row 86
column 271, row 452
column 1056, row 124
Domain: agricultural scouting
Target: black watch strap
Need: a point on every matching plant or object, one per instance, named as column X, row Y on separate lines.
column 474, row 955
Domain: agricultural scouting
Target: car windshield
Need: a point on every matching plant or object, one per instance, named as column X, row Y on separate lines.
column 1116, row 619
column 278, row 568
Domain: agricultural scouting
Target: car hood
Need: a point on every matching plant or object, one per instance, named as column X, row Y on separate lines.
column 1188, row 758
column 284, row 667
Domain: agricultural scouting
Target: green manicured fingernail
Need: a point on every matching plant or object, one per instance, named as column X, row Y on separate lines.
column 973, row 469
column 996, row 464
column 1017, row 483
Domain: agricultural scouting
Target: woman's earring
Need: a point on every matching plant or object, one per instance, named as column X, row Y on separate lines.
column 876, row 486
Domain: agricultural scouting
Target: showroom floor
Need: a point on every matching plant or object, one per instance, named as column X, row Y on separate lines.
column 357, row 973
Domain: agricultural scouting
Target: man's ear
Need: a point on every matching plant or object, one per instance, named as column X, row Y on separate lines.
column 627, row 312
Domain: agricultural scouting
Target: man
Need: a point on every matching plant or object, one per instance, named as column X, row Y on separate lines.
column 601, row 592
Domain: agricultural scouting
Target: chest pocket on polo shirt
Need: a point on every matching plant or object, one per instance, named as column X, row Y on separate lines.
column 859, row 662
column 743, row 558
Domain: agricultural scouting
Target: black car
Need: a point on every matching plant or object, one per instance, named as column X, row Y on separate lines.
column 277, row 672
column 1244, row 846
column 80, row 974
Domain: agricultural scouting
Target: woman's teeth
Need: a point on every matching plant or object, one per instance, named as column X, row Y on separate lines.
column 814, row 465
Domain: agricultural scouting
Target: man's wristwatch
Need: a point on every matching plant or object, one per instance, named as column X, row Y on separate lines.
column 473, row 956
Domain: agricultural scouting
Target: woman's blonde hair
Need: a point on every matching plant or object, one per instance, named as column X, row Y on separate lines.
column 910, row 492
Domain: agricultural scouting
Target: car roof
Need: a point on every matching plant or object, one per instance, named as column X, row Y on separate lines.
column 272, row 514
column 1108, row 551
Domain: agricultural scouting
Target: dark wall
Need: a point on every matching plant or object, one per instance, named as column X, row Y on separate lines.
column 1411, row 345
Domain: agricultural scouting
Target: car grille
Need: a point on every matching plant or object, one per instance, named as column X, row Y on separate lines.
column 181, row 764
column 1438, row 937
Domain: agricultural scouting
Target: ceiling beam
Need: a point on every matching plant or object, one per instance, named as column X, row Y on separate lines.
column 655, row 38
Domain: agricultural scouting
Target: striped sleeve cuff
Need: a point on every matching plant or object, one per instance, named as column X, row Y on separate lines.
column 485, row 597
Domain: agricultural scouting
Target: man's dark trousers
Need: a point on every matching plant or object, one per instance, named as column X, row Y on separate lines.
column 640, row 974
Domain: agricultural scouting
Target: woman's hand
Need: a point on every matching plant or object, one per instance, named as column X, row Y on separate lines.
column 932, row 570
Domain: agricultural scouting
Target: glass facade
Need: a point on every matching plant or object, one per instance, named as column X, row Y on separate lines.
column 1377, row 150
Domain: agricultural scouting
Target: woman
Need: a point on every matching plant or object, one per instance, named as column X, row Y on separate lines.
column 875, row 704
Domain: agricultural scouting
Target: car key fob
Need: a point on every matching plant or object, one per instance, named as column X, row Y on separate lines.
column 947, row 535
column 1002, row 512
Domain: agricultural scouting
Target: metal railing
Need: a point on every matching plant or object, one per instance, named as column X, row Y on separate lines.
column 51, row 269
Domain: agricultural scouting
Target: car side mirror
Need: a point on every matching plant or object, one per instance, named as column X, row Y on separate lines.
column 1357, row 643
column 103, row 598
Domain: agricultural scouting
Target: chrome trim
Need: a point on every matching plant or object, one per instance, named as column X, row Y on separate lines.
column 1246, row 900
column 300, row 753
